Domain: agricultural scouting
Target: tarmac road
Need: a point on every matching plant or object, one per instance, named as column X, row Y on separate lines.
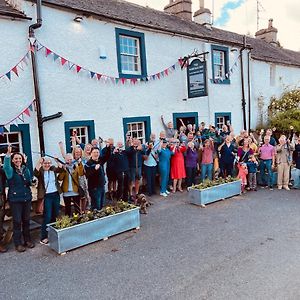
column 247, row 247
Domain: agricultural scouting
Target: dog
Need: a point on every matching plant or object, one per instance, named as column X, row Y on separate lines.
column 143, row 203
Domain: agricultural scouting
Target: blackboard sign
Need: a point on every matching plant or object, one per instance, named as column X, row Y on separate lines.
column 196, row 73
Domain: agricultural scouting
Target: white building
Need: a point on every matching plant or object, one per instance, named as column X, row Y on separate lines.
column 133, row 50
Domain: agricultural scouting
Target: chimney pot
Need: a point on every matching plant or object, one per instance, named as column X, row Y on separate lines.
column 269, row 34
column 180, row 8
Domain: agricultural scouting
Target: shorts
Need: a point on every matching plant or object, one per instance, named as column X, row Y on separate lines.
column 135, row 173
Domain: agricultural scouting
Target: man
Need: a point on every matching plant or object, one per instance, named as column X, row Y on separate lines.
column 267, row 161
column 284, row 153
column 269, row 133
column 296, row 158
column 169, row 128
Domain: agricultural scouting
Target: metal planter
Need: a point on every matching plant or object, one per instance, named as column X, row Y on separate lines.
column 215, row 193
column 62, row 240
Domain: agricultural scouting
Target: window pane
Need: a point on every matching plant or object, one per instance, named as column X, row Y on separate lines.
column 13, row 137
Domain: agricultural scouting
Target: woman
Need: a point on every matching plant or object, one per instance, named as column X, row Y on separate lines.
column 19, row 197
column 227, row 155
column 177, row 165
column 96, row 177
column 48, row 189
column 191, row 164
column 207, row 160
column 70, row 183
column 244, row 151
column 164, row 155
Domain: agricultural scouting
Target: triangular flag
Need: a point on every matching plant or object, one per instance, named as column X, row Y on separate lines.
column 24, row 60
column 15, row 122
column 30, row 107
column 78, row 68
column 99, row 76
column 123, row 80
column 153, row 77
column 55, row 56
column 63, row 61
column 167, row 72
column 27, row 112
column 180, row 60
column 70, row 65
column 134, row 80
column 21, row 117
column 15, row 70
column 117, row 80
column 174, row 67
column 1, row 130
column 92, row 74
column 48, row 51
column 158, row 75
column 8, row 75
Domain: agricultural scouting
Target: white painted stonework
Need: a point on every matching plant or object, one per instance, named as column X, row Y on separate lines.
column 80, row 98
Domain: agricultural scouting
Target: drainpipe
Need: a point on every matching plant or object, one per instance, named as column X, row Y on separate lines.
column 242, row 81
column 32, row 28
column 249, row 90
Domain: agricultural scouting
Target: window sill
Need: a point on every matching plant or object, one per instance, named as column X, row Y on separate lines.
column 218, row 81
column 130, row 76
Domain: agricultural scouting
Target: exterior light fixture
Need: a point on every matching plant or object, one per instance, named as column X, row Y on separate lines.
column 78, row 19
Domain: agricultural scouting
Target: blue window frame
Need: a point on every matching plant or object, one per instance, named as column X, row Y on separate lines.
column 85, row 131
column 131, row 54
column 187, row 118
column 222, row 118
column 18, row 136
column 139, row 127
column 220, row 64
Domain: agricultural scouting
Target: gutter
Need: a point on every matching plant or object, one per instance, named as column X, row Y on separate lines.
column 15, row 15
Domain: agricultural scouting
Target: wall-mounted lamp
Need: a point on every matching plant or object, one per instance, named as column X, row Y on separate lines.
column 234, row 49
column 102, row 52
column 78, row 19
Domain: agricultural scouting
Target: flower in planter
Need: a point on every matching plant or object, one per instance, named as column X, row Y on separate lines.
column 207, row 183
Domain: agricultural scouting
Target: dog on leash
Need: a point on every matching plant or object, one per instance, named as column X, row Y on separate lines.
column 143, row 203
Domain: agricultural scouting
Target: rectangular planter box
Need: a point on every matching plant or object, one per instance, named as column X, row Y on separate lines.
column 215, row 193
column 62, row 240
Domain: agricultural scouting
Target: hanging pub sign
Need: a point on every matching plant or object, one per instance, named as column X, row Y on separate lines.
column 196, row 73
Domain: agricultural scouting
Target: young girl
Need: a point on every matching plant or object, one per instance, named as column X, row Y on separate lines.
column 243, row 171
column 252, row 165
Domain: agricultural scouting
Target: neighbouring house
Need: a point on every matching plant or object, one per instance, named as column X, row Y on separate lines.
column 111, row 66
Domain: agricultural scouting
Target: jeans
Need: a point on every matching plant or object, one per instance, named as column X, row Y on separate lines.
column 252, row 181
column 296, row 177
column 123, row 180
column 164, row 177
column 266, row 164
column 150, row 177
column 97, row 197
column 191, row 176
column 68, row 202
column 206, row 170
column 51, row 211
column 21, row 217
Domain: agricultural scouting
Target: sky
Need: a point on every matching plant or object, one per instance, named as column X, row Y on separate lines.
column 241, row 16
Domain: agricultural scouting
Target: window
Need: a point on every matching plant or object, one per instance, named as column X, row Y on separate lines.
column 131, row 54
column 81, row 132
column 220, row 64
column 222, row 119
column 186, row 117
column 138, row 127
column 272, row 75
column 137, row 130
column 85, row 131
column 13, row 138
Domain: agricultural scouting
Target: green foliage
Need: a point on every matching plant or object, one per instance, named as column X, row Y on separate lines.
column 285, row 111
column 66, row 221
column 208, row 183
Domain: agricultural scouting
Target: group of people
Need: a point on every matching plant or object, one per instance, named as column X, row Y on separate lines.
column 178, row 158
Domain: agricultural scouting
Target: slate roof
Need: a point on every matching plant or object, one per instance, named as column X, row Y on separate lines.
column 119, row 10
column 8, row 11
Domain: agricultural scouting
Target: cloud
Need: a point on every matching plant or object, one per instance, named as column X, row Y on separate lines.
column 227, row 7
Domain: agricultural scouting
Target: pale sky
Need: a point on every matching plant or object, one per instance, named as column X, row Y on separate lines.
column 240, row 16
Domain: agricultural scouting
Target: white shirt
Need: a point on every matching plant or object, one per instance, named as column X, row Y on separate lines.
column 50, row 183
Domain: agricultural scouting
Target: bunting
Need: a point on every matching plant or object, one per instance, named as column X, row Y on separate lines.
column 76, row 68
column 20, row 118
column 18, row 66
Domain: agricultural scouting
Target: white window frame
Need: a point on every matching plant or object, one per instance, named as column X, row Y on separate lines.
column 220, row 121
column 20, row 142
column 139, row 133
column 125, row 54
column 219, row 67
column 79, row 134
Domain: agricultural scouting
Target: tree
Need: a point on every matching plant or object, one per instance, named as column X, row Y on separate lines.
column 285, row 111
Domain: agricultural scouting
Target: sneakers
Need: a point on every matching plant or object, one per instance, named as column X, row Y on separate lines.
column 167, row 192
column 44, row 241
column 164, row 194
column 280, row 187
column 286, row 188
column 20, row 248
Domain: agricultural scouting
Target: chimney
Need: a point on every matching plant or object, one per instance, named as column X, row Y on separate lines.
column 17, row 4
column 269, row 35
column 180, row 8
column 203, row 15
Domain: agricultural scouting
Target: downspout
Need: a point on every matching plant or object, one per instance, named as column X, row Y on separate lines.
column 243, row 87
column 32, row 28
column 249, row 91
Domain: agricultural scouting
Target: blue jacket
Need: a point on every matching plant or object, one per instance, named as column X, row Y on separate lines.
column 252, row 167
column 18, row 183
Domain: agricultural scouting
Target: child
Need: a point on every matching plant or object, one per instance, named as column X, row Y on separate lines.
column 252, row 165
column 243, row 171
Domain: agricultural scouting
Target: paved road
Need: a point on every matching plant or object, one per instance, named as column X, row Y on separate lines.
column 247, row 247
